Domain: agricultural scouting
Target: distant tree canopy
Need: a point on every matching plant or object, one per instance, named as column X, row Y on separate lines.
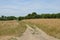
column 33, row 15
column 8, row 18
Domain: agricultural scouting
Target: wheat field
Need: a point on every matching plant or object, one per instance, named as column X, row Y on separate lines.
column 12, row 28
column 50, row 26
column 17, row 28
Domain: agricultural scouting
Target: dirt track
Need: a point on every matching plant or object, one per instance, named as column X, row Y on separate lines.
column 35, row 34
column 32, row 34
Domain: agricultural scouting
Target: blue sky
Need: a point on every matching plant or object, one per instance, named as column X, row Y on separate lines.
column 23, row 7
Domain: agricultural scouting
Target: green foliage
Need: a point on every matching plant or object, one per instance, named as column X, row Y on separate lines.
column 34, row 15
column 53, row 16
column 31, row 16
column 58, row 15
column 20, row 18
column 11, row 18
column 2, row 18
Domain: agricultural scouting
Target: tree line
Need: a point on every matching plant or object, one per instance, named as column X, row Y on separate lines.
column 33, row 15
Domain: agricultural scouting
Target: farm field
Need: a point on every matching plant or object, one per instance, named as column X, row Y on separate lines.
column 11, row 28
column 50, row 26
column 17, row 28
column 29, row 19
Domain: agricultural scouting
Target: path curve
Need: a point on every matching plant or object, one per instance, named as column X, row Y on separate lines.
column 31, row 34
column 35, row 34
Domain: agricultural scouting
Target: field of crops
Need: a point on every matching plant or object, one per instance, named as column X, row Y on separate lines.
column 16, row 28
column 11, row 28
column 50, row 26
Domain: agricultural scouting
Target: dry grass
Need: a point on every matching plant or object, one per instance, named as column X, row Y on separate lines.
column 14, row 28
column 50, row 26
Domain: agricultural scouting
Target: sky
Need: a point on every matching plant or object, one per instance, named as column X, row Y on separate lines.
column 24, row 7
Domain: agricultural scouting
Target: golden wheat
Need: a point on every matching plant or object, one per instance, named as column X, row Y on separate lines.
column 14, row 28
column 50, row 26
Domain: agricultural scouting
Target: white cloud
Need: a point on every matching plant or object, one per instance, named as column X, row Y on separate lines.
column 23, row 7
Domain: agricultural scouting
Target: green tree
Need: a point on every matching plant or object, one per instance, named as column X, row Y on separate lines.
column 53, row 16
column 58, row 15
column 11, row 18
column 21, row 18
